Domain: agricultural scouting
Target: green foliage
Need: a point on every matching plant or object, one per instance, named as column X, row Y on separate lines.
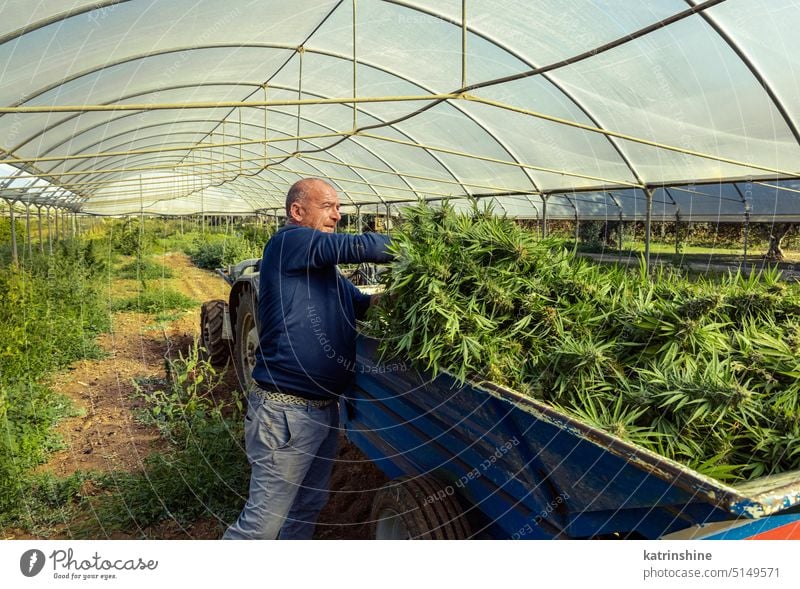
column 144, row 269
column 5, row 230
column 130, row 238
column 204, row 471
column 51, row 309
column 216, row 250
column 704, row 371
column 155, row 301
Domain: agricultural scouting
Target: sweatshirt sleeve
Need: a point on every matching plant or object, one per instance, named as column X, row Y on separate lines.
column 361, row 301
column 329, row 249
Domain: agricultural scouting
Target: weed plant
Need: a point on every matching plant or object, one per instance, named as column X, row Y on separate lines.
column 705, row 372
column 143, row 269
column 218, row 250
column 51, row 310
column 203, row 473
column 155, row 301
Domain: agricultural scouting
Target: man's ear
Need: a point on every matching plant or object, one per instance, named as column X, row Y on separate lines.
column 296, row 211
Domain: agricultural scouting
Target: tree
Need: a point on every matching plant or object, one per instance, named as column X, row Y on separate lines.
column 776, row 235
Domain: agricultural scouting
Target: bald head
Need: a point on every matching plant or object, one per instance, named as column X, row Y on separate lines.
column 312, row 202
column 301, row 189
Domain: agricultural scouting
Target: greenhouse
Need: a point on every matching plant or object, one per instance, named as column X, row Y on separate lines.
column 505, row 148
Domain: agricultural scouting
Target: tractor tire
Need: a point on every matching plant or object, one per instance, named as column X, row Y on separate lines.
column 212, row 321
column 245, row 339
column 417, row 508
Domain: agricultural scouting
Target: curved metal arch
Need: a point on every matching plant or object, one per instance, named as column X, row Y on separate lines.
column 580, row 106
column 160, row 160
column 286, row 47
column 58, row 18
column 365, row 148
column 111, row 137
column 157, row 159
column 391, row 123
column 122, row 114
column 77, row 163
column 106, row 66
column 278, row 112
column 289, row 59
column 244, row 193
column 251, row 179
column 557, row 86
column 313, row 166
column 288, row 155
column 740, row 53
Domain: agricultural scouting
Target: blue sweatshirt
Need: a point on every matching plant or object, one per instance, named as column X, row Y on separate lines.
column 307, row 310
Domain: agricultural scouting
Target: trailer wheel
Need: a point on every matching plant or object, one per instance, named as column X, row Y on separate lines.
column 212, row 322
column 417, row 508
column 245, row 339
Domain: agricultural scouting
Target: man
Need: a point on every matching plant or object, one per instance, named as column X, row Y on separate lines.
column 307, row 312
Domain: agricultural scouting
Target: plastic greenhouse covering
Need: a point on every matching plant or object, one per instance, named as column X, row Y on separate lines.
column 566, row 109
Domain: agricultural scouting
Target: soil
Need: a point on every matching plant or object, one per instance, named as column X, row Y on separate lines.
column 107, row 437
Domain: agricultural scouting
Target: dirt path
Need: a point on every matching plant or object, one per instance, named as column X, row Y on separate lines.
column 107, row 437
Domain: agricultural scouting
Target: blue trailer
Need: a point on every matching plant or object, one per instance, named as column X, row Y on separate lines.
column 479, row 460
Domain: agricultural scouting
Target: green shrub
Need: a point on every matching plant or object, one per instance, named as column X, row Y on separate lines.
column 144, row 269
column 155, row 301
column 705, row 371
column 204, row 473
column 216, row 251
column 51, row 310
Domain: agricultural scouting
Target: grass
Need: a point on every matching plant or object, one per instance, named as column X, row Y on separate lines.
column 143, row 269
column 51, row 310
column 155, row 302
column 203, row 473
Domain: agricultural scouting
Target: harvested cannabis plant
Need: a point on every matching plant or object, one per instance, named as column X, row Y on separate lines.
column 703, row 371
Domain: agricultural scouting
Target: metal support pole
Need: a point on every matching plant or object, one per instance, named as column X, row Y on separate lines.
column 619, row 234
column 647, row 227
column 388, row 229
column 463, row 43
column 544, row 216
column 41, row 241
column 746, row 231
column 677, row 232
column 360, row 220
column 577, row 228
column 55, row 221
column 28, row 229
column 49, row 233
column 14, row 256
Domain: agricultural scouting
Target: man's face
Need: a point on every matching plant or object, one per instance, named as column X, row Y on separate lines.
column 319, row 209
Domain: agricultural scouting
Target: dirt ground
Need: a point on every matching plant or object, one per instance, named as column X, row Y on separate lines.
column 107, row 437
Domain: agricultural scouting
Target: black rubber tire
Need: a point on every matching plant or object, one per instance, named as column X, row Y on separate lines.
column 212, row 320
column 245, row 338
column 418, row 508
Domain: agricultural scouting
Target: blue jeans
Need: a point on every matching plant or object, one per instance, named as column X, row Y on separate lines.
column 291, row 449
